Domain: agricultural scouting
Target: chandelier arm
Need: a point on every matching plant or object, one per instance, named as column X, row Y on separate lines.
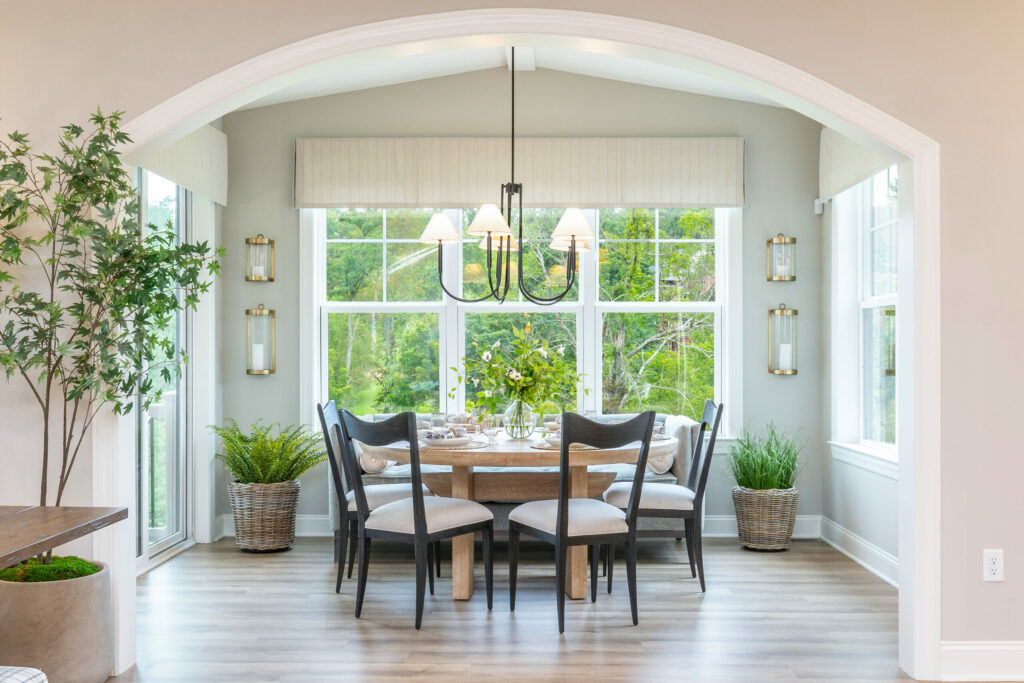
column 571, row 278
column 440, row 281
column 490, row 270
column 508, row 267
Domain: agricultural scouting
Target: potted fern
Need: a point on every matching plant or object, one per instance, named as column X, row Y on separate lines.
column 765, row 469
column 266, row 464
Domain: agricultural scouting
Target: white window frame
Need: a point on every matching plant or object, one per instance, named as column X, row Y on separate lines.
column 868, row 301
column 149, row 555
column 727, row 308
column 850, row 216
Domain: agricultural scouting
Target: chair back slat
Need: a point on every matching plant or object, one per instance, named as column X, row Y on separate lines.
column 578, row 429
column 401, row 427
column 700, row 460
column 330, row 424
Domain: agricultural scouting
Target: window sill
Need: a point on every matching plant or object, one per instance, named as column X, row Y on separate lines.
column 878, row 460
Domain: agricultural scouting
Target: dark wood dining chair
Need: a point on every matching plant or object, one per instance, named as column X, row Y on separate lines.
column 684, row 503
column 584, row 521
column 420, row 520
column 376, row 496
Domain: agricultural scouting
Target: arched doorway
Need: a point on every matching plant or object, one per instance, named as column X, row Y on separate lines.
column 791, row 87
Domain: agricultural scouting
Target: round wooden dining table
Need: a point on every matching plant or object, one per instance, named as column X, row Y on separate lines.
column 514, row 486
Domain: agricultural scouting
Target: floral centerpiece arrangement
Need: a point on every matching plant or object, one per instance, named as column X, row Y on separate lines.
column 523, row 372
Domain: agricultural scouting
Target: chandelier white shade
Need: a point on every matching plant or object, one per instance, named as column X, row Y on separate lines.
column 489, row 220
column 499, row 243
column 559, row 244
column 572, row 224
column 440, row 229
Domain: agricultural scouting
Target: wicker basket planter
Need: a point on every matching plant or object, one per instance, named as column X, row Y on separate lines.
column 264, row 514
column 765, row 518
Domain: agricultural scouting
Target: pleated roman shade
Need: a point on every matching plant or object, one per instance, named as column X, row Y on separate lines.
column 198, row 162
column 555, row 172
column 844, row 163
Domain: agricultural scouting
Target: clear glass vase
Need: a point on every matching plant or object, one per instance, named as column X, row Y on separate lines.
column 519, row 420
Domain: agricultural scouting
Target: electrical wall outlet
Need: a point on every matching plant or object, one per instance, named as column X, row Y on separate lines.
column 992, row 565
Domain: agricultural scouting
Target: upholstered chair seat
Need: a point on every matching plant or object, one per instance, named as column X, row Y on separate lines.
column 380, row 495
column 587, row 517
column 652, row 496
column 441, row 513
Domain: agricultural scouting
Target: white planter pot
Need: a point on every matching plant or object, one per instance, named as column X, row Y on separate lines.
column 63, row 628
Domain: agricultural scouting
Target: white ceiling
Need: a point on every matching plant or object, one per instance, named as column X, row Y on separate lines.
column 419, row 67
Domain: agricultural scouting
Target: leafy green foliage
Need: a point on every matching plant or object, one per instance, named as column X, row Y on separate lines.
column 657, row 361
column 525, row 368
column 85, row 289
column 765, row 462
column 58, row 569
column 263, row 457
column 389, row 362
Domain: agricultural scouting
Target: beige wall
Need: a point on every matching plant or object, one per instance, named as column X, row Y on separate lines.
column 781, row 179
column 948, row 68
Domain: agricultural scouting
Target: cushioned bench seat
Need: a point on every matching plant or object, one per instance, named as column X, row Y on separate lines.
column 399, row 474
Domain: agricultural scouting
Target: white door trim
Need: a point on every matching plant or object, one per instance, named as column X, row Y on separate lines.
column 590, row 32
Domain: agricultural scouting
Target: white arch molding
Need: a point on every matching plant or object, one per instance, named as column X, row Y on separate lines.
column 919, row 389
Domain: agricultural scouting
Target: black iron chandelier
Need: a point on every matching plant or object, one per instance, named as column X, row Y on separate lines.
column 492, row 224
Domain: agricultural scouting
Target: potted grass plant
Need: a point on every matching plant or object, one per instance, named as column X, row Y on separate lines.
column 266, row 463
column 86, row 293
column 765, row 469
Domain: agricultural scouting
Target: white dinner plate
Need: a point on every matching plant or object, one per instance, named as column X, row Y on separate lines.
column 447, row 443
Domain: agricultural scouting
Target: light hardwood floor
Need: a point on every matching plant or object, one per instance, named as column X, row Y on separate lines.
column 216, row 614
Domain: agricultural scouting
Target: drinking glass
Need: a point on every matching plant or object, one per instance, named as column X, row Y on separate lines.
column 438, row 420
column 491, row 425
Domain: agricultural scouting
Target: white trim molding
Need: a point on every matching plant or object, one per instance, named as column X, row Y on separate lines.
column 807, row 527
column 882, row 564
column 982, row 660
column 866, row 459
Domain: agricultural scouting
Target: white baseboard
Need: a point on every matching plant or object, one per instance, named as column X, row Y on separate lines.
column 305, row 525
column 715, row 526
column 724, row 526
column 882, row 564
column 982, row 660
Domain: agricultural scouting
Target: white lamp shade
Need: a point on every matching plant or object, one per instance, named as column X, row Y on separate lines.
column 572, row 223
column 489, row 220
column 440, row 229
column 498, row 243
column 559, row 244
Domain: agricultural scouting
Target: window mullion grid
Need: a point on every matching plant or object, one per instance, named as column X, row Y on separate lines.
column 384, row 254
column 589, row 311
column 657, row 257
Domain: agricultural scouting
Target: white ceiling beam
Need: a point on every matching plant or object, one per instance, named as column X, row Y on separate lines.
column 525, row 59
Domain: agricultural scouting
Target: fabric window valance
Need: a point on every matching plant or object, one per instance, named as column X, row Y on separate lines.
column 555, row 172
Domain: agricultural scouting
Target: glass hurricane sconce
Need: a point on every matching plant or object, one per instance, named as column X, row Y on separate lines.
column 889, row 332
column 782, row 340
column 781, row 259
column 259, row 266
column 261, row 338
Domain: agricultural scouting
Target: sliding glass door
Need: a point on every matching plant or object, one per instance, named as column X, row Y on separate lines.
column 162, row 449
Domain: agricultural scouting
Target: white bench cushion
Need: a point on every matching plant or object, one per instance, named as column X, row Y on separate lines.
column 587, row 517
column 382, row 494
column 21, row 674
column 442, row 513
column 652, row 496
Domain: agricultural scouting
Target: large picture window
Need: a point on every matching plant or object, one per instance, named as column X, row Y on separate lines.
column 644, row 323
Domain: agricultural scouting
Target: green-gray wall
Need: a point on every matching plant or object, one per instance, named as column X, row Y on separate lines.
column 781, row 184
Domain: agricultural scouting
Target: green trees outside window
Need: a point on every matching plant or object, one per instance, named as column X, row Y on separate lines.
column 387, row 357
